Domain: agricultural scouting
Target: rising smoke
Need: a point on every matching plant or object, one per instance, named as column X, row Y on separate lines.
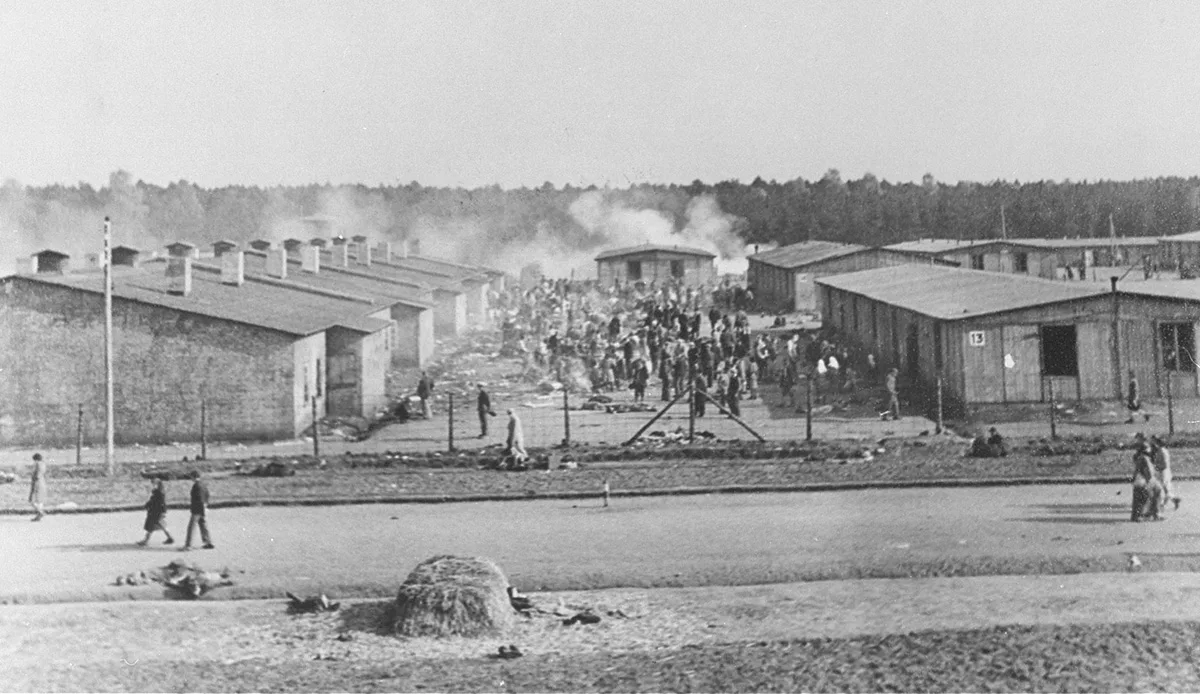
column 509, row 230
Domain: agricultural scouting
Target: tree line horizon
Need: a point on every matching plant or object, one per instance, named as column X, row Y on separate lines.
column 867, row 210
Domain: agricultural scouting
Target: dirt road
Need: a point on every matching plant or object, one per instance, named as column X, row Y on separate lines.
column 702, row 540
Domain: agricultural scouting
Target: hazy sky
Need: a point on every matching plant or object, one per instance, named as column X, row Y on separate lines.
column 519, row 92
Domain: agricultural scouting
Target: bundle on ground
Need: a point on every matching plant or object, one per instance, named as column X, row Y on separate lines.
column 454, row 596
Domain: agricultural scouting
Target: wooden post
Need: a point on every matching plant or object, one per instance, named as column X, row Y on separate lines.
column 940, row 421
column 450, row 422
column 79, row 437
column 1053, row 414
column 691, row 390
column 203, row 430
column 316, row 430
column 808, row 407
column 606, row 492
column 566, row 419
column 1170, row 407
column 110, row 465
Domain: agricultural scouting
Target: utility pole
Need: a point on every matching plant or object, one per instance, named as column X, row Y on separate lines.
column 1003, row 224
column 109, row 435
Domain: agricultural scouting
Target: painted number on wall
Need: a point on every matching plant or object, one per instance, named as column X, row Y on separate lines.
column 978, row 338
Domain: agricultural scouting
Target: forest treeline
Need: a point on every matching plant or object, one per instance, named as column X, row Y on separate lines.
column 865, row 210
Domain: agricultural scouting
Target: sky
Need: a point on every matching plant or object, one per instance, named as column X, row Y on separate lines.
column 610, row 93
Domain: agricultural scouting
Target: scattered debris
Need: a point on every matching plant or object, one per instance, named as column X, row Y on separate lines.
column 317, row 603
column 7, row 478
column 276, row 468
column 191, row 581
column 586, row 617
column 520, row 603
column 509, row 652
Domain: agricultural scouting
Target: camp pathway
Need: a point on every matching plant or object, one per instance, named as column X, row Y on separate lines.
column 714, row 539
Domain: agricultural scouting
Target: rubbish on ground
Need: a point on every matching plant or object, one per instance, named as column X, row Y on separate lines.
column 316, row 603
column 582, row 618
column 274, row 468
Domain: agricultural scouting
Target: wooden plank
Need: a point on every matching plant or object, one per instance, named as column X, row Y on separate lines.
column 1094, row 347
column 1023, row 380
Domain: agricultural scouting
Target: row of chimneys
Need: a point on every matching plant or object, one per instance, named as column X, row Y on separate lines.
column 233, row 261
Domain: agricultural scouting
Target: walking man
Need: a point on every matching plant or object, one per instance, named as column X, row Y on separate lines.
column 199, row 508
column 893, row 394
column 484, row 405
column 516, row 438
column 425, row 391
column 37, row 487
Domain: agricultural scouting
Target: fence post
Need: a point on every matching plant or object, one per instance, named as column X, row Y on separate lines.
column 940, row 422
column 808, row 407
column 566, row 419
column 1053, row 422
column 1170, row 407
column 450, row 421
column 691, row 403
column 606, row 491
column 79, row 437
column 316, row 430
column 203, row 430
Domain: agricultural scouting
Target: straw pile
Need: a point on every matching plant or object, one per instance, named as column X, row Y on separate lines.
column 454, row 596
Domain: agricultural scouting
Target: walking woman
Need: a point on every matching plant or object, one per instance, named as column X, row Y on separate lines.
column 156, row 514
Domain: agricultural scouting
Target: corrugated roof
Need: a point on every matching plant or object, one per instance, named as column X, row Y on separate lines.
column 463, row 267
column 805, row 253
column 1096, row 242
column 953, row 294
column 263, row 305
column 1187, row 290
column 439, row 268
column 935, row 246
column 653, row 247
column 332, row 279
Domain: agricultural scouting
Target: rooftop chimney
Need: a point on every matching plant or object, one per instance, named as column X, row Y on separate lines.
column 359, row 238
column 277, row 263
column 339, row 240
column 293, row 246
column 233, row 268
column 383, row 251
column 341, row 254
column 222, row 247
column 319, row 242
column 362, row 253
column 183, row 249
column 50, row 261
column 126, row 255
column 310, row 261
column 260, row 245
column 179, row 272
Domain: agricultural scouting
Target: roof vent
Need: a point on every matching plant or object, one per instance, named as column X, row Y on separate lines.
column 182, row 249
column 261, row 245
column 233, row 268
column 222, row 247
column 49, row 261
column 179, row 272
column 126, row 255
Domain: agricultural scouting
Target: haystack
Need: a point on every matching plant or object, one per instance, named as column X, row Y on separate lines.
column 454, row 596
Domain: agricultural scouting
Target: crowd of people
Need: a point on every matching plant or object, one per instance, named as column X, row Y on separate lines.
column 671, row 339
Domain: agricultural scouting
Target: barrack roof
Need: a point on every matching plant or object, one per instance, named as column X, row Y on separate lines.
column 653, row 248
column 953, row 294
column 805, row 253
column 261, row 305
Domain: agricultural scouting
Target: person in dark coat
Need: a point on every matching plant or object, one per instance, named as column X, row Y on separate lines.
column 733, row 396
column 156, row 515
column 425, row 392
column 484, row 405
column 700, row 388
column 639, row 379
column 199, row 509
column 37, row 487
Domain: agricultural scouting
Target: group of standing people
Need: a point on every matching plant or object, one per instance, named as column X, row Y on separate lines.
column 1153, row 486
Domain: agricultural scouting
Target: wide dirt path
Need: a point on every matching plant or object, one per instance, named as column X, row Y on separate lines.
column 732, row 539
